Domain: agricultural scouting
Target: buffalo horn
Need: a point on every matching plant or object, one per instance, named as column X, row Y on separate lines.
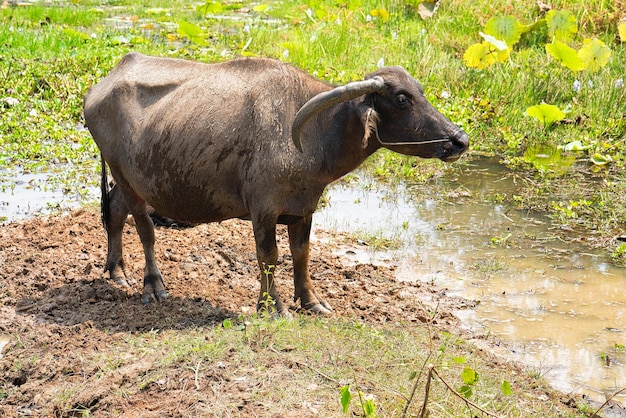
column 330, row 98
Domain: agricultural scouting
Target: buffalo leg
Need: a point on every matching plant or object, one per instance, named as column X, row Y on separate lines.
column 153, row 286
column 117, row 213
column 299, row 238
column 267, row 256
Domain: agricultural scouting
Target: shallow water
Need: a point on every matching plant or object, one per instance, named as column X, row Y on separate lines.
column 29, row 194
column 559, row 307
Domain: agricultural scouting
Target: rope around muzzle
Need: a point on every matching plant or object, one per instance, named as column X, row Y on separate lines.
column 383, row 143
column 374, row 127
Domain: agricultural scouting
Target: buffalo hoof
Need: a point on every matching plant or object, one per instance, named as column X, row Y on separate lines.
column 321, row 308
column 121, row 281
column 146, row 298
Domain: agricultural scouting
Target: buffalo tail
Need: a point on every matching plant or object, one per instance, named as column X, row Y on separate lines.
column 105, row 201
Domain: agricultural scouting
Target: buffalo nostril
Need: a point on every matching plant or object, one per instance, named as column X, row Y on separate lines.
column 461, row 140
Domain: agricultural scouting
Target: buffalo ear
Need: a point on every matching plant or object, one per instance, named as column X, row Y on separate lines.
column 369, row 118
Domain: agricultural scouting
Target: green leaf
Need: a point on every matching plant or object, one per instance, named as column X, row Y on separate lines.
column 545, row 113
column 506, row 28
column 346, row 397
column 506, row 388
column 500, row 45
column 576, row 145
column 466, row 390
column 599, row 159
column 594, row 54
column 260, row 8
column 369, row 408
column 566, row 55
column 413, row 375
column 562, row 25
column 469, row 376
column 210, row 7
column 191, row 32
column 621, row 30
column 459, row 360
column 480, row 56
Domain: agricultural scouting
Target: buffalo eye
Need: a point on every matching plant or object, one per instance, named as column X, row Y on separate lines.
column 402, row 100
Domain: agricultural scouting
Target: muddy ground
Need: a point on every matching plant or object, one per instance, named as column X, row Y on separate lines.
column 55, row 301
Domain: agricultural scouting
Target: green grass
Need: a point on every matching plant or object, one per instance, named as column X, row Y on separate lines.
column 285, row 364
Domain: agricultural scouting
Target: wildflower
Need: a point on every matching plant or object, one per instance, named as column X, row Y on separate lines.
column 286, row 54
column 368, row 18
column 445, row 94
column 381, row 62
column 590, row 84
column 576, row 86
column 619, row 83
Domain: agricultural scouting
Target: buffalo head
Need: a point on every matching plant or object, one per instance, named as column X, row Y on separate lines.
column 395, row 113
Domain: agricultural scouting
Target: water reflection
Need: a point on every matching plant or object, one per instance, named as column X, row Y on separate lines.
column 558, row 305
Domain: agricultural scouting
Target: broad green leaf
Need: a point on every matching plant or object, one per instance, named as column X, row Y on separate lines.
column 562, row 25
column 260, row 8
column 566, row 55
column 469, row 376
column 382, row 13
column 506, row 28
column 576, row 145
column 594, row 54
column 480, row 56
column 210, row 7
column 546, row 113
column 191, row 32
column 506, row 388
column 599, row 159
column 188, row 29
column 413, row 375
column 459, row 360
column 621, row 29
column 500, row 45
column 346, row 397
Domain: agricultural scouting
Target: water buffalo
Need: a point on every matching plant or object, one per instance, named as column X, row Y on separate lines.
column 254, row 139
